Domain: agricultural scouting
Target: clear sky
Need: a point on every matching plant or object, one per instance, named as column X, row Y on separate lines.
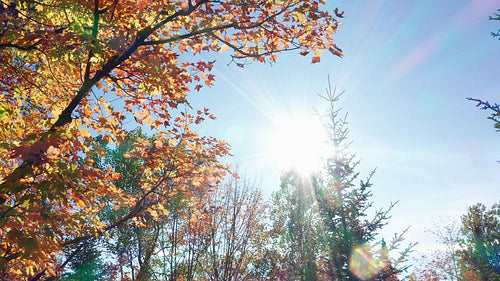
column 407, row 71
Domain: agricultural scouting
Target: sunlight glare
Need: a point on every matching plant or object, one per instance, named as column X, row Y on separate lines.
column 299, row 142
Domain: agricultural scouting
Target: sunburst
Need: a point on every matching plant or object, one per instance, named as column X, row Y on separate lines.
column 298, row 142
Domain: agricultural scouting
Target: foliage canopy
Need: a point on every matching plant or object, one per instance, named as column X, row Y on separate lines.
column 70, row 69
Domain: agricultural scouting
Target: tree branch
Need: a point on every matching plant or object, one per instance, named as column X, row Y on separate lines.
column 24, row 48
column 188, row 35
column 246, row 54
column 12, row 180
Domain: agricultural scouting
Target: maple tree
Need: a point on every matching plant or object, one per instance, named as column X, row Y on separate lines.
column 70, row 69
column 209, row 233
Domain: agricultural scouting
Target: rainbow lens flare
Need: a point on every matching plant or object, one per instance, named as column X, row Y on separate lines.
column 363, row 264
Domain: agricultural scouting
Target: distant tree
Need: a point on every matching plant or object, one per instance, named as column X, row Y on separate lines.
column 444, row 262
column 325, row 230
column 470, row 252
column 481, row 244
column 295, row 215
column 236, row 217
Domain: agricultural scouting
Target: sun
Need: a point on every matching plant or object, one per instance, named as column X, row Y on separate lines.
column 298, row 142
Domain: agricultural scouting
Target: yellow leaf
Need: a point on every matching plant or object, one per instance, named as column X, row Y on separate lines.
column 79, row 202
column 224, row 48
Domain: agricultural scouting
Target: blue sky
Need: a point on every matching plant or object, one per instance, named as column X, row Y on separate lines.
column 407, row 70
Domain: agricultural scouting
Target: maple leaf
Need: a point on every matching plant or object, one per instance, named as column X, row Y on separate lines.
column 304, row 52
column 340, row 15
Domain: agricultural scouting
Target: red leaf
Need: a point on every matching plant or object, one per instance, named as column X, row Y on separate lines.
column 340, row 15
column 304, row 52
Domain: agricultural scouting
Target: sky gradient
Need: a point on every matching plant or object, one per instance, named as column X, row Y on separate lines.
column 407, row 70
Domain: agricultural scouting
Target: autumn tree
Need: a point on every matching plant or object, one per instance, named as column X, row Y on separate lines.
column 295, row 215
column 237, row 218
column 152, row 246
column 444, row 262
column 326, row 231
column 70, row 69
column 210, row 233
column 468, row 251
column 130, row 242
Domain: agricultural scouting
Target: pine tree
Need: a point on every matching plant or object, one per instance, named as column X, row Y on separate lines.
column 86, row 264
column 481, row 244
column 326, row 231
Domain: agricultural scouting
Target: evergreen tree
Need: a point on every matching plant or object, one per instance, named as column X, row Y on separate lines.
column 86, row 264
column 493, row 108
column 326, row 232
column 481, row 244
column 496, row 17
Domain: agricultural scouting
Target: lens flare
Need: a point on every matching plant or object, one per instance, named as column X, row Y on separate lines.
column 363, row 264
